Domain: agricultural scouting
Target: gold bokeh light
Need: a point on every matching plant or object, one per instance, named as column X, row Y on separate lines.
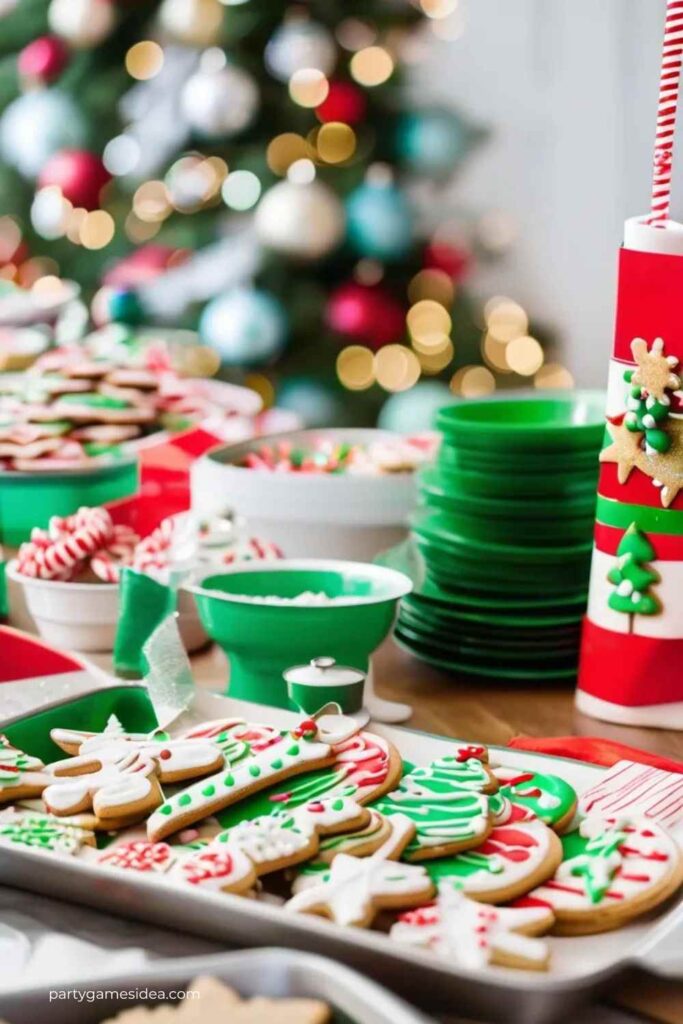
column 397, row 368
column 473, row 382
column 432, row 284
column 97, row 229
column 144, row 60
column 524, row 355
column 356, row 367
column 151, row 201
column 426, row 319
column 284, row 150
column 505, row 319
column 554, row 375
column 335, row 142
column 308, row 87
column 371, row 66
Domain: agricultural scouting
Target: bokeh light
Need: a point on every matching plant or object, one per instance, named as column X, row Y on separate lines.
column 436, row 359
column 335, row 142
column 151, row 201
column 524, row 355
column 427, row 320
column 432, row 284
column 139, row 231
column 494, row 353
column 505, row 319
column 554, row 375
column 356, row 367
column 241, row 190
column 263, row 386
column 371, row 66
column 144, row 60
column 97, row 229
column 353, row 34
column 397, row 368
column 308, row 87
column 473, row 382
column 284, row 149
column 121, row 154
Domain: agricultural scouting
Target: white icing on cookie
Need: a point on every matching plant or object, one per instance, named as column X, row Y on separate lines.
column 110, row 787
column 469, row 934
column 636, row 789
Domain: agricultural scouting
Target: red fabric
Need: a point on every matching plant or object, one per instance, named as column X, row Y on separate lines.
column 26, row 657
column 649, row 302
column 630, row 670
column 594, row 750
column 638, row 489
column 668, row 548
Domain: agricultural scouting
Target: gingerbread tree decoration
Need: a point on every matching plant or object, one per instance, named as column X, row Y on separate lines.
column 633, row 578
column 649, row 401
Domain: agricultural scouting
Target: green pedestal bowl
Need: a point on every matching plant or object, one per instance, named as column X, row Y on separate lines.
column 264, row 638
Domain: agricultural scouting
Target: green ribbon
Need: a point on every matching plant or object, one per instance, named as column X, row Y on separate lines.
column 144, row 604
column 647, row 519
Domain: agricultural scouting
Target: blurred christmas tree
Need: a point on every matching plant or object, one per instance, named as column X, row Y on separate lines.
column 253, row 168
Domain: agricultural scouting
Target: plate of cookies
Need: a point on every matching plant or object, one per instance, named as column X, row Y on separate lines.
column 447, row 870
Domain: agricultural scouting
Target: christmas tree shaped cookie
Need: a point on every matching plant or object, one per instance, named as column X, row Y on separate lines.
column 633, row 577
column 21, row 776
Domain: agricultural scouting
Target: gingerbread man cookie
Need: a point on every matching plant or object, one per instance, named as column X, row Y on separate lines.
column 21, row 776
column 513, row 859
column 268, row 844
column 178, row 760
column 613, row 871
column 471, row 935
column 123, row 790
column 357, row 888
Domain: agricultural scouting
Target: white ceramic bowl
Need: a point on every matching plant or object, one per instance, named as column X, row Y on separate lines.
column 322, row 515
column 83, row 616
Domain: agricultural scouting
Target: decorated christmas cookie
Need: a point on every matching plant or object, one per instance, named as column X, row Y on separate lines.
column 448, row 804
column 268, row 844
column 43, row 831
column 636, row 789
column 121, row 790
column 534, row 795
column 177, row 760
column 139, row 855
column 356, row 888
column 470, row 935
column 613, row 870
column 235, row 737
column 365, row 767
column 304, row 749
column 21, row 776
column 512, row 860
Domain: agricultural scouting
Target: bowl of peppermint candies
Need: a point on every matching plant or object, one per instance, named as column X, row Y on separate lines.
column 328, row 493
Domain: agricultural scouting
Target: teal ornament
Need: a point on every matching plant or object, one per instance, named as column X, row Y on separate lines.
column 124, row 307
column 36, row 125
column 311, row 400
column 379, row 221
column 412, row 411
column 247, row 326
column 431, row 141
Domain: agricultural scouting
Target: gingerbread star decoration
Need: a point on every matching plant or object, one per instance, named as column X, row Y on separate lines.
column 625, row 450
column 655, row 371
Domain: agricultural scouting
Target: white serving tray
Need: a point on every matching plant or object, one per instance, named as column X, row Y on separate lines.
column 580, row 966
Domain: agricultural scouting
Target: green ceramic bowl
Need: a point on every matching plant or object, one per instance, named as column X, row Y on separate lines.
column 442, row 537
column 569, row 422
column 437, row 491
column 262, row 639
column 433, row 598
column 497, row 672
column 516, row 528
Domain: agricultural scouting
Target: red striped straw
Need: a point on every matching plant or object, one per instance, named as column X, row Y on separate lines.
column 672, row 57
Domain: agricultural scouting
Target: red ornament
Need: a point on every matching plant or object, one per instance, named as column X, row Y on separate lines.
column 344, row 102
column 44, row 59
column 79, row 174
column 364, row 313
column 452, row 259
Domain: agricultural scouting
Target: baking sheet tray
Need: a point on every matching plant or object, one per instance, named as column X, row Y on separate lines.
column 277, row 973
column 581, row 966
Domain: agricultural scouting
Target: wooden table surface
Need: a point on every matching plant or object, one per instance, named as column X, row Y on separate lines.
column 493, row 713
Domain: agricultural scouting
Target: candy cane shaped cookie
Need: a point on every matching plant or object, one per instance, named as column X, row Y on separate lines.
column 272, row 842
column 301, row 750
column 120, row 790
column 613, row 871
column 21, row 776
column 471, row 935
column 513, row 859
column 356, row 888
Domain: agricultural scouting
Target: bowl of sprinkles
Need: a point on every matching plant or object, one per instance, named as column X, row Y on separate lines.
column 335, row 493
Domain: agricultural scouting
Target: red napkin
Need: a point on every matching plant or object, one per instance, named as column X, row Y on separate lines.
column 593, row 749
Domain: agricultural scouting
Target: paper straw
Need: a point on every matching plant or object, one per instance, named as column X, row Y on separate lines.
column 672, row 55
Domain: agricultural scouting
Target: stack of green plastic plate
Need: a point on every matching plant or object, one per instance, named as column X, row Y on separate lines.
column 505, row 530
